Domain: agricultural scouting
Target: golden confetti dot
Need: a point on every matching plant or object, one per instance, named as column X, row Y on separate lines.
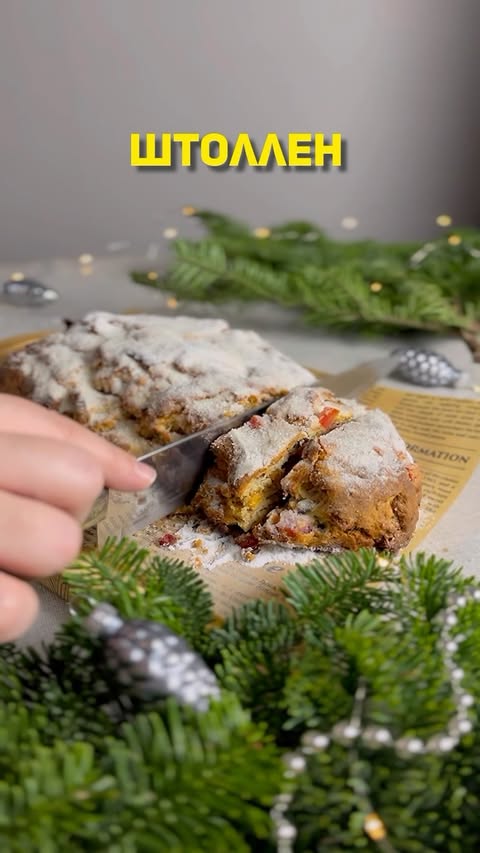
column 171, row 302
column 85, row 259
column 188, row 210
column 454, row 239
column 152, row 276
column 86, row 269
column 17, row 276
column 444, row 220
column 349, row 222
column 376, row 286
column 374, row 827
column 262, row 233
column 170, row 233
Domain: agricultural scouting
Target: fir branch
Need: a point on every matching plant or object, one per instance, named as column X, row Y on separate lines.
column 62, row 691
column 179, row 783
column 318, row 690
column 75, row 778
column 204, row 272
column 143, row 586
column 432, row 288
column 254, row 650
column 193, row 784
column 427, row 581
column 326, row 592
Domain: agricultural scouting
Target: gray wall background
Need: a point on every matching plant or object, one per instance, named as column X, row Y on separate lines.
column 399, row 78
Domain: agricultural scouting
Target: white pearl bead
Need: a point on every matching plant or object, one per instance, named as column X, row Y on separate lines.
column 447, row 743
column 315, row 740
column 383, row 736
column 295, row 762
column 441, row 743
column 284, row 799
column 351, row 731
column 415, row 746
column 286, row 832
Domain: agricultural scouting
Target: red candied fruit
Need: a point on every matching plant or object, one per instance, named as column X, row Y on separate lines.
column 247, row 540
column 255, row 422
column 166, row 539
column 327, row 416
column 411, row 472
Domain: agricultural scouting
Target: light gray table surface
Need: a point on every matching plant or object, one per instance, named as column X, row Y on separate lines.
column 106, row 286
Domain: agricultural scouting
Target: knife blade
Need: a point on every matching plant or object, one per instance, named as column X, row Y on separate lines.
column 179, row 464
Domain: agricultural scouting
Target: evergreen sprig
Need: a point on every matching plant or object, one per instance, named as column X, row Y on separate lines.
column 144, row 586
column 80, row 771
column 432, row 288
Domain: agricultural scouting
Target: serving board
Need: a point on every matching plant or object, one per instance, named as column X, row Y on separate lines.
column 8, row 345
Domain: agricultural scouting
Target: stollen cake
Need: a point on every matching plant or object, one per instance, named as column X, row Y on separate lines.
column 314, row 471
column 145, row 380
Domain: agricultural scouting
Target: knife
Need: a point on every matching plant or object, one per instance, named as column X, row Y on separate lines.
column 179, row 464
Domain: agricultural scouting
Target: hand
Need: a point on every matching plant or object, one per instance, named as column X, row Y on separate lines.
column 51, row 471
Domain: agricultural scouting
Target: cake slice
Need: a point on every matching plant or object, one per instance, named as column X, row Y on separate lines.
column 244, row 482
column 356, row 487
column 316, row 472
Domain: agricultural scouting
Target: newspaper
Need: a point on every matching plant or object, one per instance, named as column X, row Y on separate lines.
column 443, row 435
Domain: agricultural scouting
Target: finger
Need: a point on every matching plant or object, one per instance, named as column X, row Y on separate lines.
column 120, row 469
column 51, row 471
column 18, row 607
column 36, row 539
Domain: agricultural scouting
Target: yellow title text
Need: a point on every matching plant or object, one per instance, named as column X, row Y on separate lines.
column 310, row 150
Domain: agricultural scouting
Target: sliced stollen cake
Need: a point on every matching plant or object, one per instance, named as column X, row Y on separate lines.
column 244, row 482
column 314, row 471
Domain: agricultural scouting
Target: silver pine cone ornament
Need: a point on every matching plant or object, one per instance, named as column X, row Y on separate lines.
column 423, row 367
column 150, row 661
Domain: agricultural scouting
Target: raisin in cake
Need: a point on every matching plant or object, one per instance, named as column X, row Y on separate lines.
column 143, row 380
column 314, row 471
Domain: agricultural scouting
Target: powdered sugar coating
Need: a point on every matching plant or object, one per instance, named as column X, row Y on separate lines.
column 302, row 406
column 111, row 371
column 293, row 418
column 250, row 449
column 366, row 449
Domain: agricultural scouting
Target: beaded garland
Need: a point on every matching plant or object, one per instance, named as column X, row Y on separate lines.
column 136, row 644
column 352, row 734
